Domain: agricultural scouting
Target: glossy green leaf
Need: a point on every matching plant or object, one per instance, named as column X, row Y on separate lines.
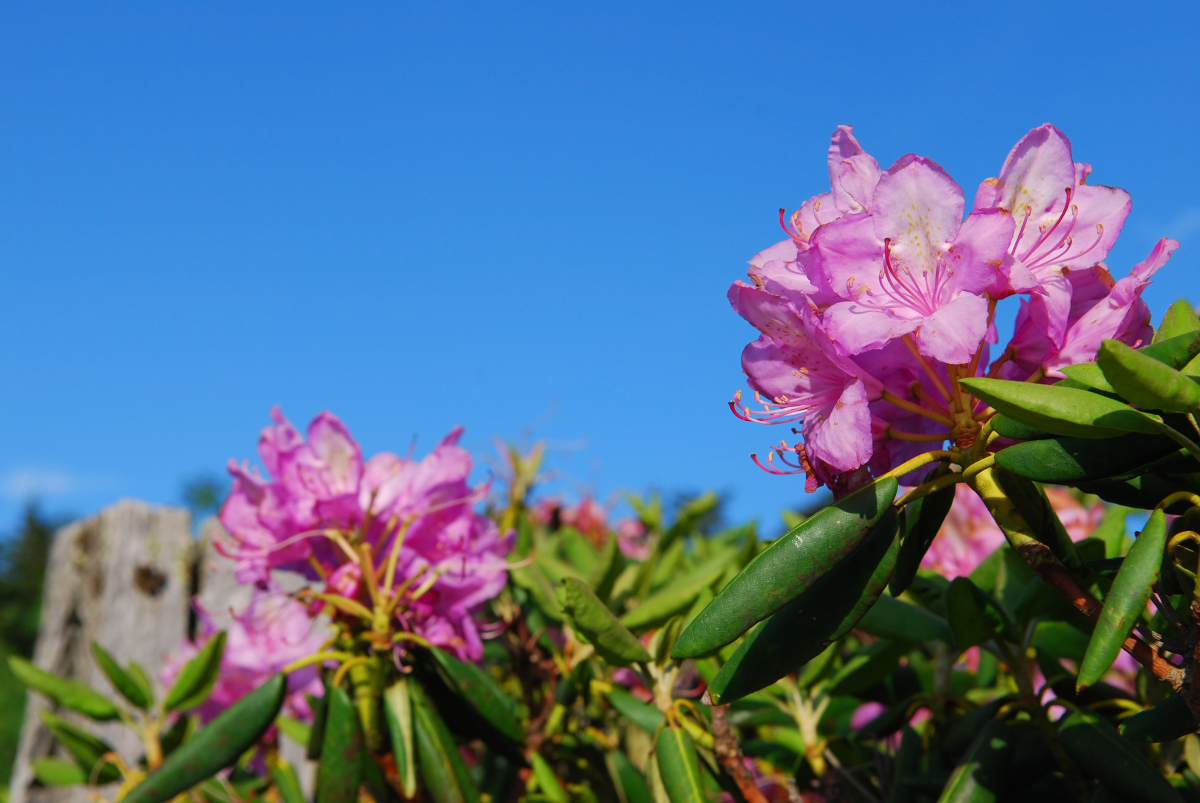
column 679, row 765
column 125, row 684
column 690, row 514
column 478, row 688
column 1100, row 751
column 1166, row 721
column 677, row 596
column 547, row 782
column 340, row 773
column 286, row 782
column 294, row 729
column 644, row 715
column 66, row 693
column 1146, row 382
column 891, row 618
column 1126, row 601
column 1175, row 352
column 983, row 771
column 608, row 569
column 1179, row 319
column 198, row 676
column 803, row 628
column 87, row 750
column 630, row 784
column 596, row 623
column 1111, row 530
column 787, row 569
column 1070, row 460
column 397, row 710
column 1146, row 491
column 58, row 772
column 920, row 523
column 442, row 771
column 974, row 616
column 216, row 746
column 1010, row 428
column 1060, row 410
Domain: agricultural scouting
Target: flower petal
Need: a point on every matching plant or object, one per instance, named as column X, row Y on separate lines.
column 953, row 333
column 853, row 173
column 854, row 328
column 919, row 208
column 840, row 435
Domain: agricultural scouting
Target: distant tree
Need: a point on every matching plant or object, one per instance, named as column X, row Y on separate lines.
column 203, row 495
column 23, row 556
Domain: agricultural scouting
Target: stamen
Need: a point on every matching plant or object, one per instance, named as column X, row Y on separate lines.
column 1047, row 232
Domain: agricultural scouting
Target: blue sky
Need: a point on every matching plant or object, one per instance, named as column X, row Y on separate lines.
column 515, row 217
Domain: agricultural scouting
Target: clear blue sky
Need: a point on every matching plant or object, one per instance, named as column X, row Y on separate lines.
column 495, row 215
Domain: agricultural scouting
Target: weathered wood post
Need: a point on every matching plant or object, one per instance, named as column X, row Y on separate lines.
column 122, row 578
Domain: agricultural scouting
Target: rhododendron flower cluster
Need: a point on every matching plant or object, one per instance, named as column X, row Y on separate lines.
column 320, row 496
column 884, row 294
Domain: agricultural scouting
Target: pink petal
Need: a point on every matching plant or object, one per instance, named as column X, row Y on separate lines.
column 854, row 328
column 980, row 249
column 919, row 208
column 1035, row 175
column 841, row 434
column 953, row 333
column 849, row 257
column 340, row 453
column 852, row 172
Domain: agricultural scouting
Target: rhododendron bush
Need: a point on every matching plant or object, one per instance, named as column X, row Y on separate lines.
column 998, row 602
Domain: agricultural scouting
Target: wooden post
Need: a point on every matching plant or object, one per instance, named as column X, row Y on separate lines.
column 123, row 579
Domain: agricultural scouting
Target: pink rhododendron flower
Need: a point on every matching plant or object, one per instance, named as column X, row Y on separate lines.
column 322, row 486
column 1061, row 223
column 272, row 632
column 1064, row 328
column 912, row 266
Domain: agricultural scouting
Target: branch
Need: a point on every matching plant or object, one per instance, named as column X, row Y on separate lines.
column 730, row 755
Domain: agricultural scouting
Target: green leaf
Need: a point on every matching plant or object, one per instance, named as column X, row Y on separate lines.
column 286, row 782
column 58, row 772
column 216, row 746
column 1120, row 767
column 294, row 729
column 1111, row 530
column 1176, row 352
column 87, row 750
column 1146, row 382
column 1166, row 721
column 690, row 515
column 547, row 782
column 340, row 773
column 1061, row 410
column 320, row 709
column 867, row 668
column 974, row 616
column 891, row 618
column 982, row 773
column 397, row 709
column 1066, row 461
column 540, row 587
column 442, row 772
column 199, row 675
column 1008, row 428
column 125, row 684
column 1145, row 491
column 66, row 693
column 679, row 765
column 803, row 628
column 1033, row 505
column 1179, row 319
column 644, row 715
column 922, row 520
column 596, row 623
column 1126, row 601
column 677, row 596
column 787, row 569
column 608, row 569
column 631, row 786
column 478, row 688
